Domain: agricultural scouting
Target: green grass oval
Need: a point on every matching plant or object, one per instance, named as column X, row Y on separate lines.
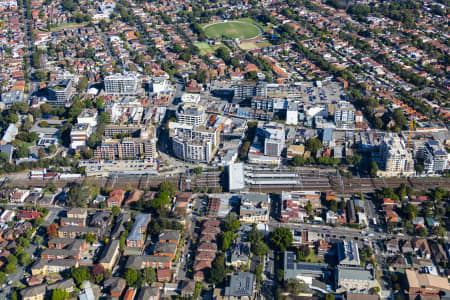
column 231, row 30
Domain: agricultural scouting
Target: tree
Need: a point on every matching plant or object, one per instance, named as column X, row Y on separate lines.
column 10, row 268
column 309, row 207
column 24, row 259
column 376, row 290
column 167, row 187
column 226, row 239
column 281, row 238
column 90, row 238
column 3, row 277
column 231, row 223
column 149, row 275
column 303, row 252
column 82, row 84
column 131, row 277
column 80, row 274
column 329, row 297
column 218, row 270
column 422, row 231
column 295, row 286
column 97, row 273
column 313, row 145
column 333, row 205
column 298, row 161
column 60, row 294
column 52, row 148
column 373, row 169
column 198, row 170
column 40, row 75
column 439, row 231
column 115, row 210
column 42, row 153
column 251, row 76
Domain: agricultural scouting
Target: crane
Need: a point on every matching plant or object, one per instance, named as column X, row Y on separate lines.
column 411, row 128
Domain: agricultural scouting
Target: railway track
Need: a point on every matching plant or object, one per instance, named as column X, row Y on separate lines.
column 319, row 183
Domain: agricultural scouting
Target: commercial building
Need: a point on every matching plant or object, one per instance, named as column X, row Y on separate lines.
column 435, row 157
column 59, row 92
column 125, row 84
column 293, row 205
column 236, row 181
column 396, row 159
column 254, row 208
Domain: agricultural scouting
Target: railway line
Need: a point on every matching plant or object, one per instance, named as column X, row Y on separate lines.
column 309, row 180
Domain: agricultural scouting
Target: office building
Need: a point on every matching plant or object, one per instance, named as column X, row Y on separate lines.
column 125, row 84
column 59, row 92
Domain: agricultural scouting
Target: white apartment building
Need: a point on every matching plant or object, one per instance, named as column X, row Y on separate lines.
column 396, row 159
column 191, row 114
column 88, row 116
column 80, row 134
column 191, row 149
column 435, row 157
column 274, row 137
column 125, row 84
column 344, row 115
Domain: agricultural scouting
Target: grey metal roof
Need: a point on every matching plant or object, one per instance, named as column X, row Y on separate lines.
column 108, row 253
column 293, row 269
column 354, row 274
column 141, row 221
column 241, row 285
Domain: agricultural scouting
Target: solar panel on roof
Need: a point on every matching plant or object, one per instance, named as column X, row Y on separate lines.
column 290, row 266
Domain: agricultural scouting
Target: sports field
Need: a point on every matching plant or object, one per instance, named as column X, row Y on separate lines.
column 207, row 49
column 231, row 30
